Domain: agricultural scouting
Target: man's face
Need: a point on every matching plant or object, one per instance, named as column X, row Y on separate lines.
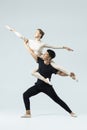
column 37, row 34
column 46, row 56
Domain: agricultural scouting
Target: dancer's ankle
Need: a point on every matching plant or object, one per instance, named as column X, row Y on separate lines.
column 28, row 112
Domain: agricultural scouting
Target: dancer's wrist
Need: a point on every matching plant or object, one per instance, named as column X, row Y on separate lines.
column 64, row 47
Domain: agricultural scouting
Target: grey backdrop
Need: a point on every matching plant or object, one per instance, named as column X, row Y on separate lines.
column 64, row 23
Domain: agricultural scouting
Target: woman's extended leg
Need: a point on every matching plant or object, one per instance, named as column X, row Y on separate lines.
column 39, row 76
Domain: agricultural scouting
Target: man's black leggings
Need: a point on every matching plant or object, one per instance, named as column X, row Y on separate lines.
column 47, row 89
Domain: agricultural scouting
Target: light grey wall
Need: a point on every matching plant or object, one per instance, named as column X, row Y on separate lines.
column 64, row 23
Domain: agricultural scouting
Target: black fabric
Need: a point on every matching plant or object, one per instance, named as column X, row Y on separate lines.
column 40, row 86
column 47, row 89
column 45, row 70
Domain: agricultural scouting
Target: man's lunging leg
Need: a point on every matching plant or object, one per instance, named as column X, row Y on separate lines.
column 26, row 95
column 51, row 93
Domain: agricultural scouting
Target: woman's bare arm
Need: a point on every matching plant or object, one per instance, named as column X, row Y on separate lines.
column 57, row 47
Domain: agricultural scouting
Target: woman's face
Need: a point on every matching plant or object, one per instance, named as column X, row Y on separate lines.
column 37, row 34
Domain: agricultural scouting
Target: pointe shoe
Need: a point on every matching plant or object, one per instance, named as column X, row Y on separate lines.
column 9, row 28
column 48, row 81
column 13, row 30
column 73, row 114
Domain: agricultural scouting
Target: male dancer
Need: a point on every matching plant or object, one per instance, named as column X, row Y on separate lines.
column 46, row 70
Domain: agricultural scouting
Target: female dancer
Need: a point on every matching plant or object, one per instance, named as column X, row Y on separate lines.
column 37, row 46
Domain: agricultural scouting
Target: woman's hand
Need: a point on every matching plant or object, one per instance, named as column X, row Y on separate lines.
column 67, row 48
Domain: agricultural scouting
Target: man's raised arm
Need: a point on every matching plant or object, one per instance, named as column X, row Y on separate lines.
column 29, row 49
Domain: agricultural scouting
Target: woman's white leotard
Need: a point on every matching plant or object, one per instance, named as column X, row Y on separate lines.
column 36, row 46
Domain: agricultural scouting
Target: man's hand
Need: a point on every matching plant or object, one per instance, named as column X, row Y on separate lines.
column 67, row 48
column 72, row 75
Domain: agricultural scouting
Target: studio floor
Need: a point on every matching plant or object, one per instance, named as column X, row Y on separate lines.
column 10, row 121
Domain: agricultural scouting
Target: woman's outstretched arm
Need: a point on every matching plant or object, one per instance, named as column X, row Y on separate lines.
column 58, row 47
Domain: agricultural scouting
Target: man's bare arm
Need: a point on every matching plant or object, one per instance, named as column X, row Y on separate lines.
column 72, row 75
column 62, row 73
column 58, row 67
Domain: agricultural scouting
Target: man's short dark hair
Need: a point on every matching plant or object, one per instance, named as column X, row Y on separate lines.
column 51, row 53
column 41, row 32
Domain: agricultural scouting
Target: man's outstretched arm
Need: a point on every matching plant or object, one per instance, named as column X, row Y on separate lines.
column 72, row 75
column 63, row 72
column 30, row 50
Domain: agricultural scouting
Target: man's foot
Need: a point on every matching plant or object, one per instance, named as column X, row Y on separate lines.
column 26, row 116
column 73, row 114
